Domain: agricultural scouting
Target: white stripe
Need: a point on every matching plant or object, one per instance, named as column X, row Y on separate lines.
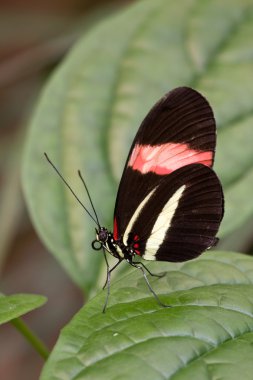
column 135, row 216
column 162, row 225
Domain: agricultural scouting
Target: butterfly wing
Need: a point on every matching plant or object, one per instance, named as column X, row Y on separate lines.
column 179, row 130
column 179, row 218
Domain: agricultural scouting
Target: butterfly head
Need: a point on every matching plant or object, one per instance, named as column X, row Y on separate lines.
column 102, row 235
column 101, row 238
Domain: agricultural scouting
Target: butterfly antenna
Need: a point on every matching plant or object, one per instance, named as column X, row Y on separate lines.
column 87, row 191
column 66, row 183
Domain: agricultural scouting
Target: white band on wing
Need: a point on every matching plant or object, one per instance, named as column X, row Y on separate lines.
column 135, row 216
column 162, row 224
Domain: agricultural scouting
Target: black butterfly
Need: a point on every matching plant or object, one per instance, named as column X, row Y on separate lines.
column 170, row 202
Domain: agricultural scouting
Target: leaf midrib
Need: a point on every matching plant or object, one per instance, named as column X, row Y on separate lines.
column 228, row 36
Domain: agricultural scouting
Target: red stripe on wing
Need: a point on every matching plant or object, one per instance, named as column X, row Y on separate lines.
column 115, row 229
column 165, row 158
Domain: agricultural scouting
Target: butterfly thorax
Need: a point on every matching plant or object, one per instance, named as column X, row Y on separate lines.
column 116, row 248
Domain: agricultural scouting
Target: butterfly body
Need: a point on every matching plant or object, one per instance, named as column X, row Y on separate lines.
column 116, row 248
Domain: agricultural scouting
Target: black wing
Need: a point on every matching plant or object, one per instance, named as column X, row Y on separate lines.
column 179, row 130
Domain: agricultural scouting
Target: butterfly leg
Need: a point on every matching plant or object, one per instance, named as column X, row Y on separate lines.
column 108, row 279
column 151, row 274
column 109, row 271
column 148, row 284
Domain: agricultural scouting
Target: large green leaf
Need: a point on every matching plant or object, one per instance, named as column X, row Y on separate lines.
column 18, row 304
column 93, row 104
column 206, row 334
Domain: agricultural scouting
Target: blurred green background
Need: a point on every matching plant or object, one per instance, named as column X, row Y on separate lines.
column 34, row 37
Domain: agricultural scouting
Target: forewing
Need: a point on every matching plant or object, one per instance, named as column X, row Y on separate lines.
column 178, row 219
column 179, row 130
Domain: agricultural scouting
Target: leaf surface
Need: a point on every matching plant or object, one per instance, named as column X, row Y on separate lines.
column 207, row 333
column 15, row 305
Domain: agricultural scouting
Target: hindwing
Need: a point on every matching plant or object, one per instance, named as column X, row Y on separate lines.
column 178, row 219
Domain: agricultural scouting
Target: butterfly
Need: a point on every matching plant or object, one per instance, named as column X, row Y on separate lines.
column 170, row 202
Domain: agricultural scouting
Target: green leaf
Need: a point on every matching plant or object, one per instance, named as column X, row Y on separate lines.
column 18, row 304
column 92, row 106
column 206, row 334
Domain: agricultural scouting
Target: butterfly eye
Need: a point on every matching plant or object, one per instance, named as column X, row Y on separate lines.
column 96, row 245
column 103, row 235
